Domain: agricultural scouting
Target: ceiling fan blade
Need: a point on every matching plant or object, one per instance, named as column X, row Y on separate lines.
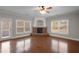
column 49, row 8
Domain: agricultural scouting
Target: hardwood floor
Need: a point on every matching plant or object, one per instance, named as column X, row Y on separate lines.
column 39, row 44
column 65, row 45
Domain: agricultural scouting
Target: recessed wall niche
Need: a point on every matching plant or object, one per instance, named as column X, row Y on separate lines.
column 39, row 22
column 39, row 26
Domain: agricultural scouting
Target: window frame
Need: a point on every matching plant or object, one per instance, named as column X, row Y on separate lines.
column 29, row 27
column 24, row 31
column 52, row 26
column 17, row 26
column 59, row 31
column 10, row 26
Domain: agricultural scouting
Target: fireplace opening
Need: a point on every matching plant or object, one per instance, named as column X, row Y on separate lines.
column 39, row 30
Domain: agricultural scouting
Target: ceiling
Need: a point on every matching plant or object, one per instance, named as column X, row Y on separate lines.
column 28, row 10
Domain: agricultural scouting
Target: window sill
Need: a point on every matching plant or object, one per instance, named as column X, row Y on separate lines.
column 13, row 38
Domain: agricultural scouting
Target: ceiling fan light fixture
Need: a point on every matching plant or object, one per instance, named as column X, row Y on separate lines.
column 43, row 12
column 44, row 9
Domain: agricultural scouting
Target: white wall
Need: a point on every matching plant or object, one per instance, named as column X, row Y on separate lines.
column 72, row 17
column 73, row 24
column 13, row 16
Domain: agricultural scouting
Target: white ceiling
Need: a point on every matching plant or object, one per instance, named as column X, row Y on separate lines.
column 28, row 10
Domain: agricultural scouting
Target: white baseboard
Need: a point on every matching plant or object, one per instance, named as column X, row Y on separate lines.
column 64, row 37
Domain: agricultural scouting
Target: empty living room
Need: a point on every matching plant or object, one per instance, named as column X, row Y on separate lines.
column 39, row 29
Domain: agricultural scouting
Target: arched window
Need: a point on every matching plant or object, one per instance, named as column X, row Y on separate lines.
column 40, row 22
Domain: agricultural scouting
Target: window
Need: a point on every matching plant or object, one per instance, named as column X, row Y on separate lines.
column 23, row 26
column 5, row 47
column 19, row 26
column 27, row 26
column 5, row 28
column 64, row 26
column 55, row 26
column 60, row 26
column 40, row 22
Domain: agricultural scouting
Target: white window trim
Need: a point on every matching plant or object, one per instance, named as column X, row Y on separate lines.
column 23, row 26
column 30, row 27
column 17, row 26
column 59, row 26
column 52, row 26
column 9, row 30
column 67, row 28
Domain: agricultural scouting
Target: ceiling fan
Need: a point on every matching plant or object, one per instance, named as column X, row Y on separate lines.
column 43, row 9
